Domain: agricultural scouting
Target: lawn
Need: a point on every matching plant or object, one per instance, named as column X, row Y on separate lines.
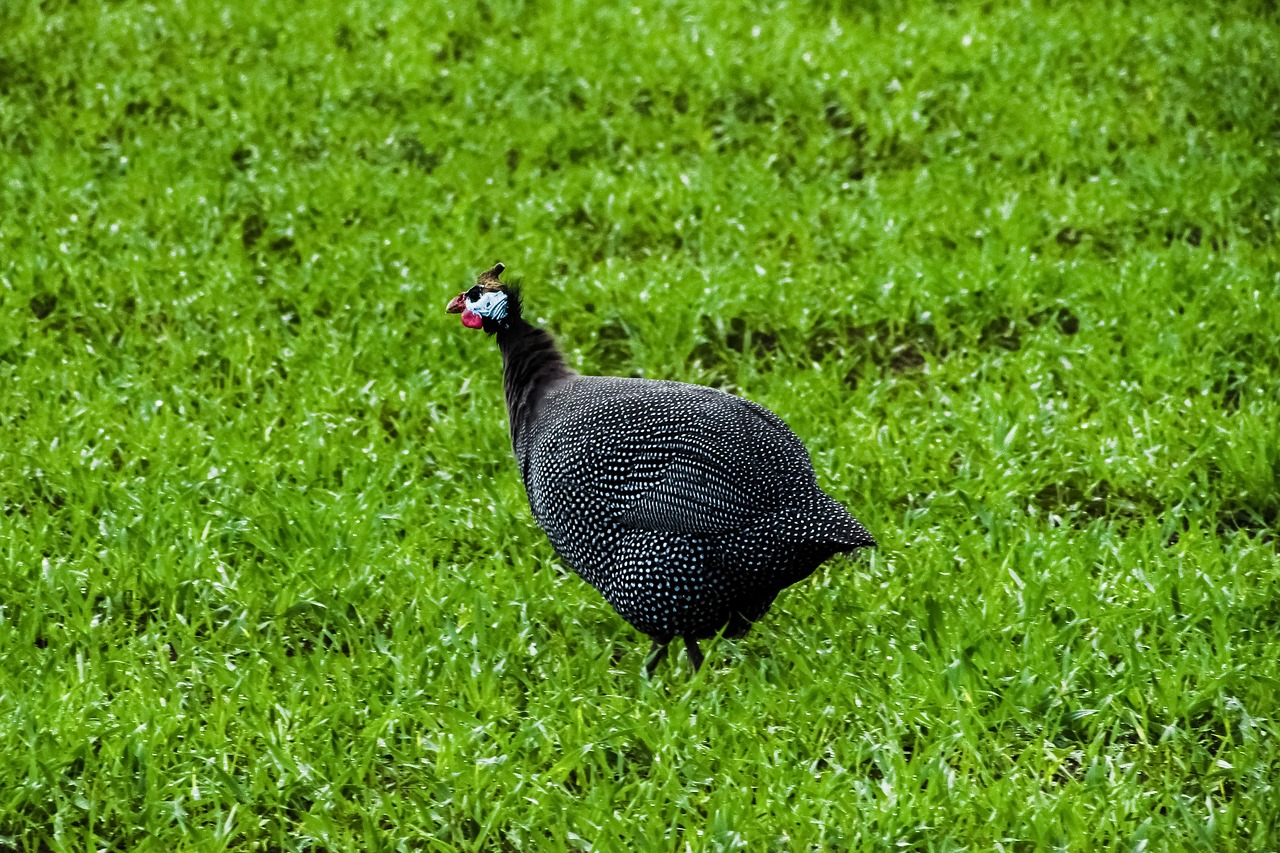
column 1011, row 270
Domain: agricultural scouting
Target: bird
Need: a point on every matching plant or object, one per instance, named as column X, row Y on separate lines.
column 688, row 508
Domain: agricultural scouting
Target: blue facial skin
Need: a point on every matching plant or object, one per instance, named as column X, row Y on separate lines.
column 492, row 305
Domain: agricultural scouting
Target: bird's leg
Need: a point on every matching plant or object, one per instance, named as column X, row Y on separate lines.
column 695, row 653
column 657, row 655
column 738, row 626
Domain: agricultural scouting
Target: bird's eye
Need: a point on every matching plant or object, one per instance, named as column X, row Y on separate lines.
column 473, row 294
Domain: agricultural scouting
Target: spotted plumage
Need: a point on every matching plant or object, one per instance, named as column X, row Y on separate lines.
column 689, row 509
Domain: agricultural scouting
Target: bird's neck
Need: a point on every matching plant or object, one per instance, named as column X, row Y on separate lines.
column 531, row 362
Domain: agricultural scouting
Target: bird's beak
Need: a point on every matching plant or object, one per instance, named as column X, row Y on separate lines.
column 457, row 304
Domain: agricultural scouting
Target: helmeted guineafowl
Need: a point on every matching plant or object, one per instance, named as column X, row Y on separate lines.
column 689, row 509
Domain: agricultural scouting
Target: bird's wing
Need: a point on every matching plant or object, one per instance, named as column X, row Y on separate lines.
column 668, row 457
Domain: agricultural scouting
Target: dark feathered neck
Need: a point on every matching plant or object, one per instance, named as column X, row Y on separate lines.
column 531, row 363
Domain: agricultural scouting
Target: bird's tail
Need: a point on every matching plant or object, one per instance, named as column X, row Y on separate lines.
column 822, row 521
column 792, row 543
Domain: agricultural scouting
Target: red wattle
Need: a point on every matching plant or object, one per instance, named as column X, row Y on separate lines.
column 471, row 319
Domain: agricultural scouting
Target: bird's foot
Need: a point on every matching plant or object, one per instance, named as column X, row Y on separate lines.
column 695, row 653
column 657, row 655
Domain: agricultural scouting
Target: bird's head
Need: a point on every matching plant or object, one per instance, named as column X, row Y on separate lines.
column 489, row 305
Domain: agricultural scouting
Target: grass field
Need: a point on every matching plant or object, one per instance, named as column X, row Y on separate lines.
column 270, row 578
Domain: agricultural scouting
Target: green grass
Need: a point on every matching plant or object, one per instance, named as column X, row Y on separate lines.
column 270, row 579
